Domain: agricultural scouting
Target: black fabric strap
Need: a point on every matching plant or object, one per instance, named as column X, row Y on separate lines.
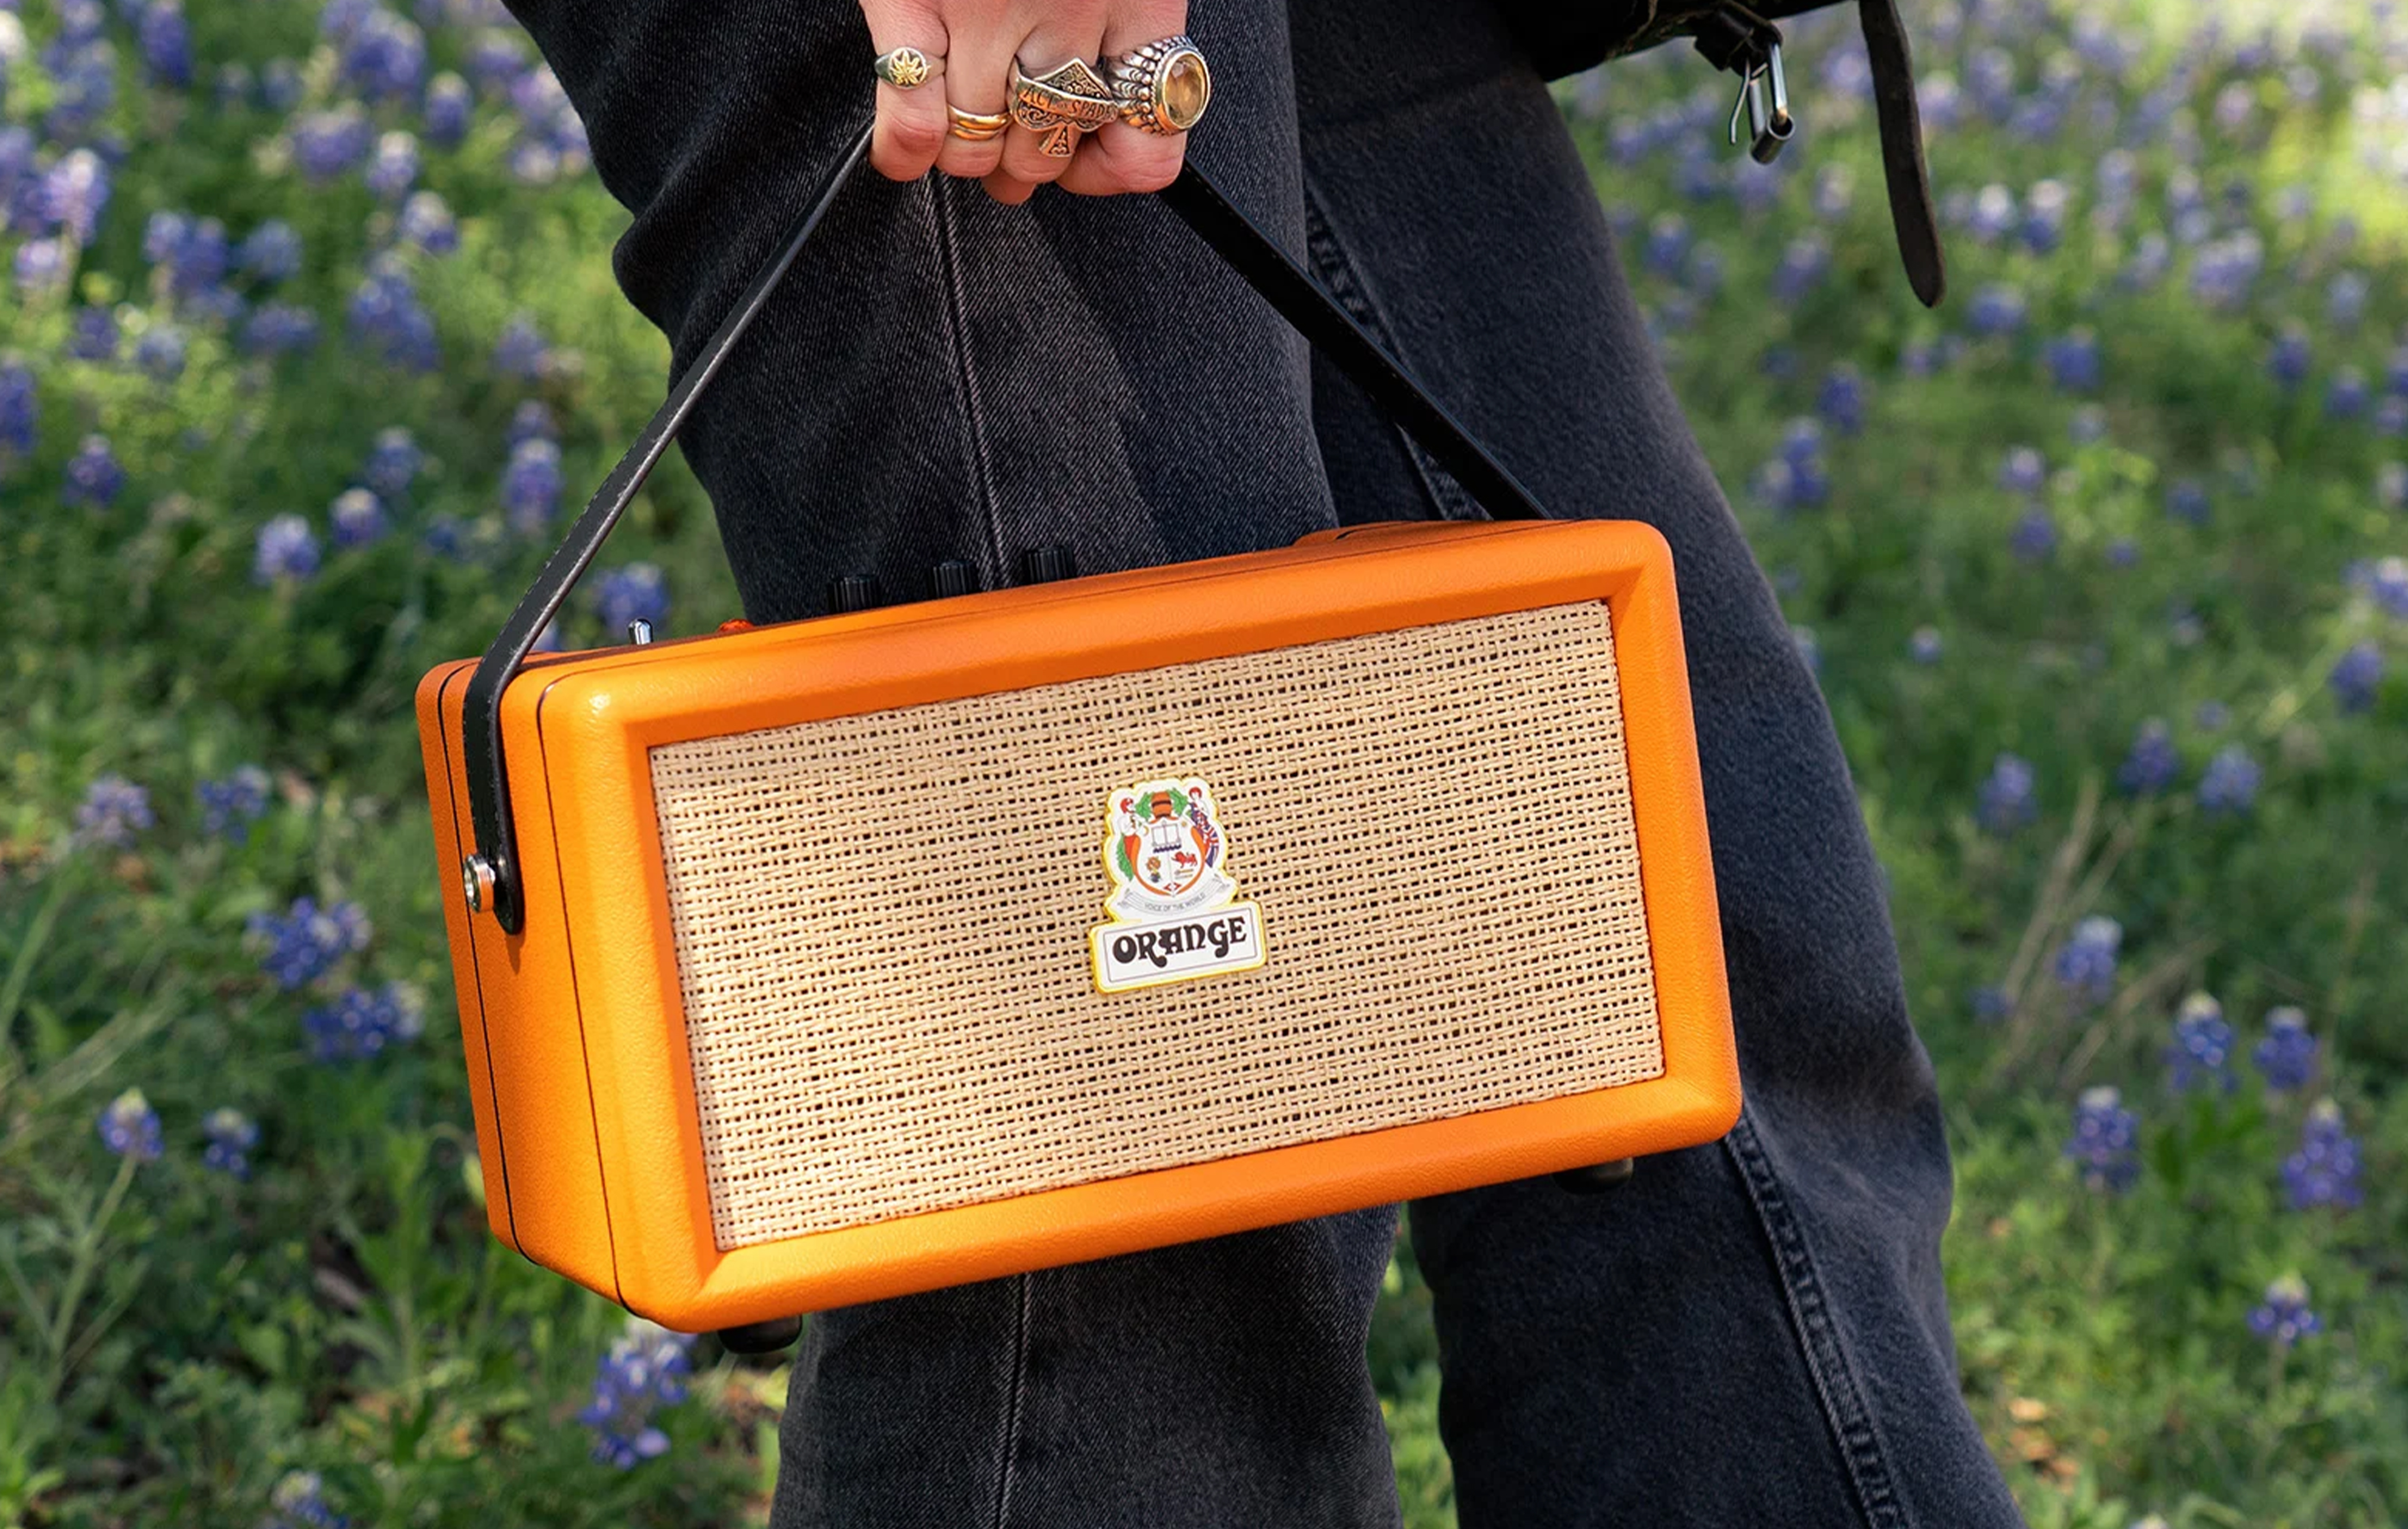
column 1247, row 249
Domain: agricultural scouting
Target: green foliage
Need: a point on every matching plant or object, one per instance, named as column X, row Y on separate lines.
column 177, row 1342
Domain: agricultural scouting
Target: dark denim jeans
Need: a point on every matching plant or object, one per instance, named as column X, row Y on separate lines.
column 1749, row 1334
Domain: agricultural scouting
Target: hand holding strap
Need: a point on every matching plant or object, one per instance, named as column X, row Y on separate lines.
column 491, row 875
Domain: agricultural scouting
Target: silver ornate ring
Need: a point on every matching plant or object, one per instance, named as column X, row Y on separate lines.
column 1061, row 103
column 1163, row 87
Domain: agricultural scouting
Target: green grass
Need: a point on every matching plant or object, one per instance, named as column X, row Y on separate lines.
column 175, row 1343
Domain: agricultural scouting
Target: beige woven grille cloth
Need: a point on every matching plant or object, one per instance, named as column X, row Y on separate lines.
column 881, row 921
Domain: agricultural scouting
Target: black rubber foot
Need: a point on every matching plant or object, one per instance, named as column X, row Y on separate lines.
column 1598, row 1179
column 762, row 1338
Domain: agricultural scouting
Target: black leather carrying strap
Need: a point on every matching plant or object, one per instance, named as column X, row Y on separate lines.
column 1247, row 249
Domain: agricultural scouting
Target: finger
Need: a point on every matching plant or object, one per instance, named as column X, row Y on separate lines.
column 1062, row 32
column 1119, row 157
column 910, row 124
column 978, row 80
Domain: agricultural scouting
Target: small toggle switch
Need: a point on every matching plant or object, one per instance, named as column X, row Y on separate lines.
column 951, row 578
column 849, row 592
column 1044, row 564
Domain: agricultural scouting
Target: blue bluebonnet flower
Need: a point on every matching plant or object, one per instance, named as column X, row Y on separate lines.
column 2123, row 553
column 287, row 549
column 235, row 86
column 92, row 475
column 385, row 56
column 385, row 314
column 2357, row 676
column 2022, row 470
column 325, row 144
column 2211, row 716
column 1997, row 310
column 1925, row 645
column 167, row 43
column 531, row 485
column 2202, row 1051
column 231, row 1136
column 426, row 221
column 2034, row 536
column 160, row 352
column 2286, row 1058
column 305, row 944
column 644, row 1371
column 636, row 591
column 393, row 462
column 270, row 252
column 1990, row 213
column 21, row 409
column 1705, row 272
column 230, row 805
column 1841, row 400
column 2284, row 1318
column 392, row 168
column 450, row 107
column 93, row 335
column 2227, row 270
column 2005, row 801
column 2186, row 500
column 2043, row 220
column 521, row 351
column 2229, row 784
column 2151, row 258
column 2386, row 583
column 199, row 256
column 75, row 192
column 357, row 518
column 1803, row 264
column 113, row 810
column 2086, row 964
column 299, row 1502
column 496, row 60
column 2287, row 362
column 2345, row 299
column 129, row 1127
column 1992, row 1003
column 2153, row 764
column 280, row 84
column 2106, row 1140
column 41, row 265
column 2346, row 394
column 531, row 421
column 361, row 1024
column 2324, row 1170
column 1667, row 244
column 2072, row 361
column 279, row 329
column 83, row 80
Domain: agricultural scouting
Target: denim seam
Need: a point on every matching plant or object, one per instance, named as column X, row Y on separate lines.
column 1818, row 1336
column 1008, row 1445
column 1337, row 271
column 973, row 419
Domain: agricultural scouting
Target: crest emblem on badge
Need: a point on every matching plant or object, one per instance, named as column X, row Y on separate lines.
column 1171, row 912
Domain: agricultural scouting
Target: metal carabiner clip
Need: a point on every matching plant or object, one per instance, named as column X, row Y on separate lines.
column 1767, row 130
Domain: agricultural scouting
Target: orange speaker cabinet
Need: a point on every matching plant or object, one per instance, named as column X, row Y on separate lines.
column 818, row 999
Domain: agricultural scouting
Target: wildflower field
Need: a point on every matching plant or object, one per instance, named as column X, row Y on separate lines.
column 308, row 342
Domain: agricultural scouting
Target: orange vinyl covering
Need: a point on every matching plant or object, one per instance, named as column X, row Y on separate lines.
column 583, row 1093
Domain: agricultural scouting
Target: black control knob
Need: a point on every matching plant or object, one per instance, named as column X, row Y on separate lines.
column 1046, row 563
column 853, row 591
column 951, row 578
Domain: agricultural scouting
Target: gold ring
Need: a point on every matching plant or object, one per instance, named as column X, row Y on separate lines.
column 976, row 126
column 1163, row 87
column 906, row 68
column 1060, row 103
